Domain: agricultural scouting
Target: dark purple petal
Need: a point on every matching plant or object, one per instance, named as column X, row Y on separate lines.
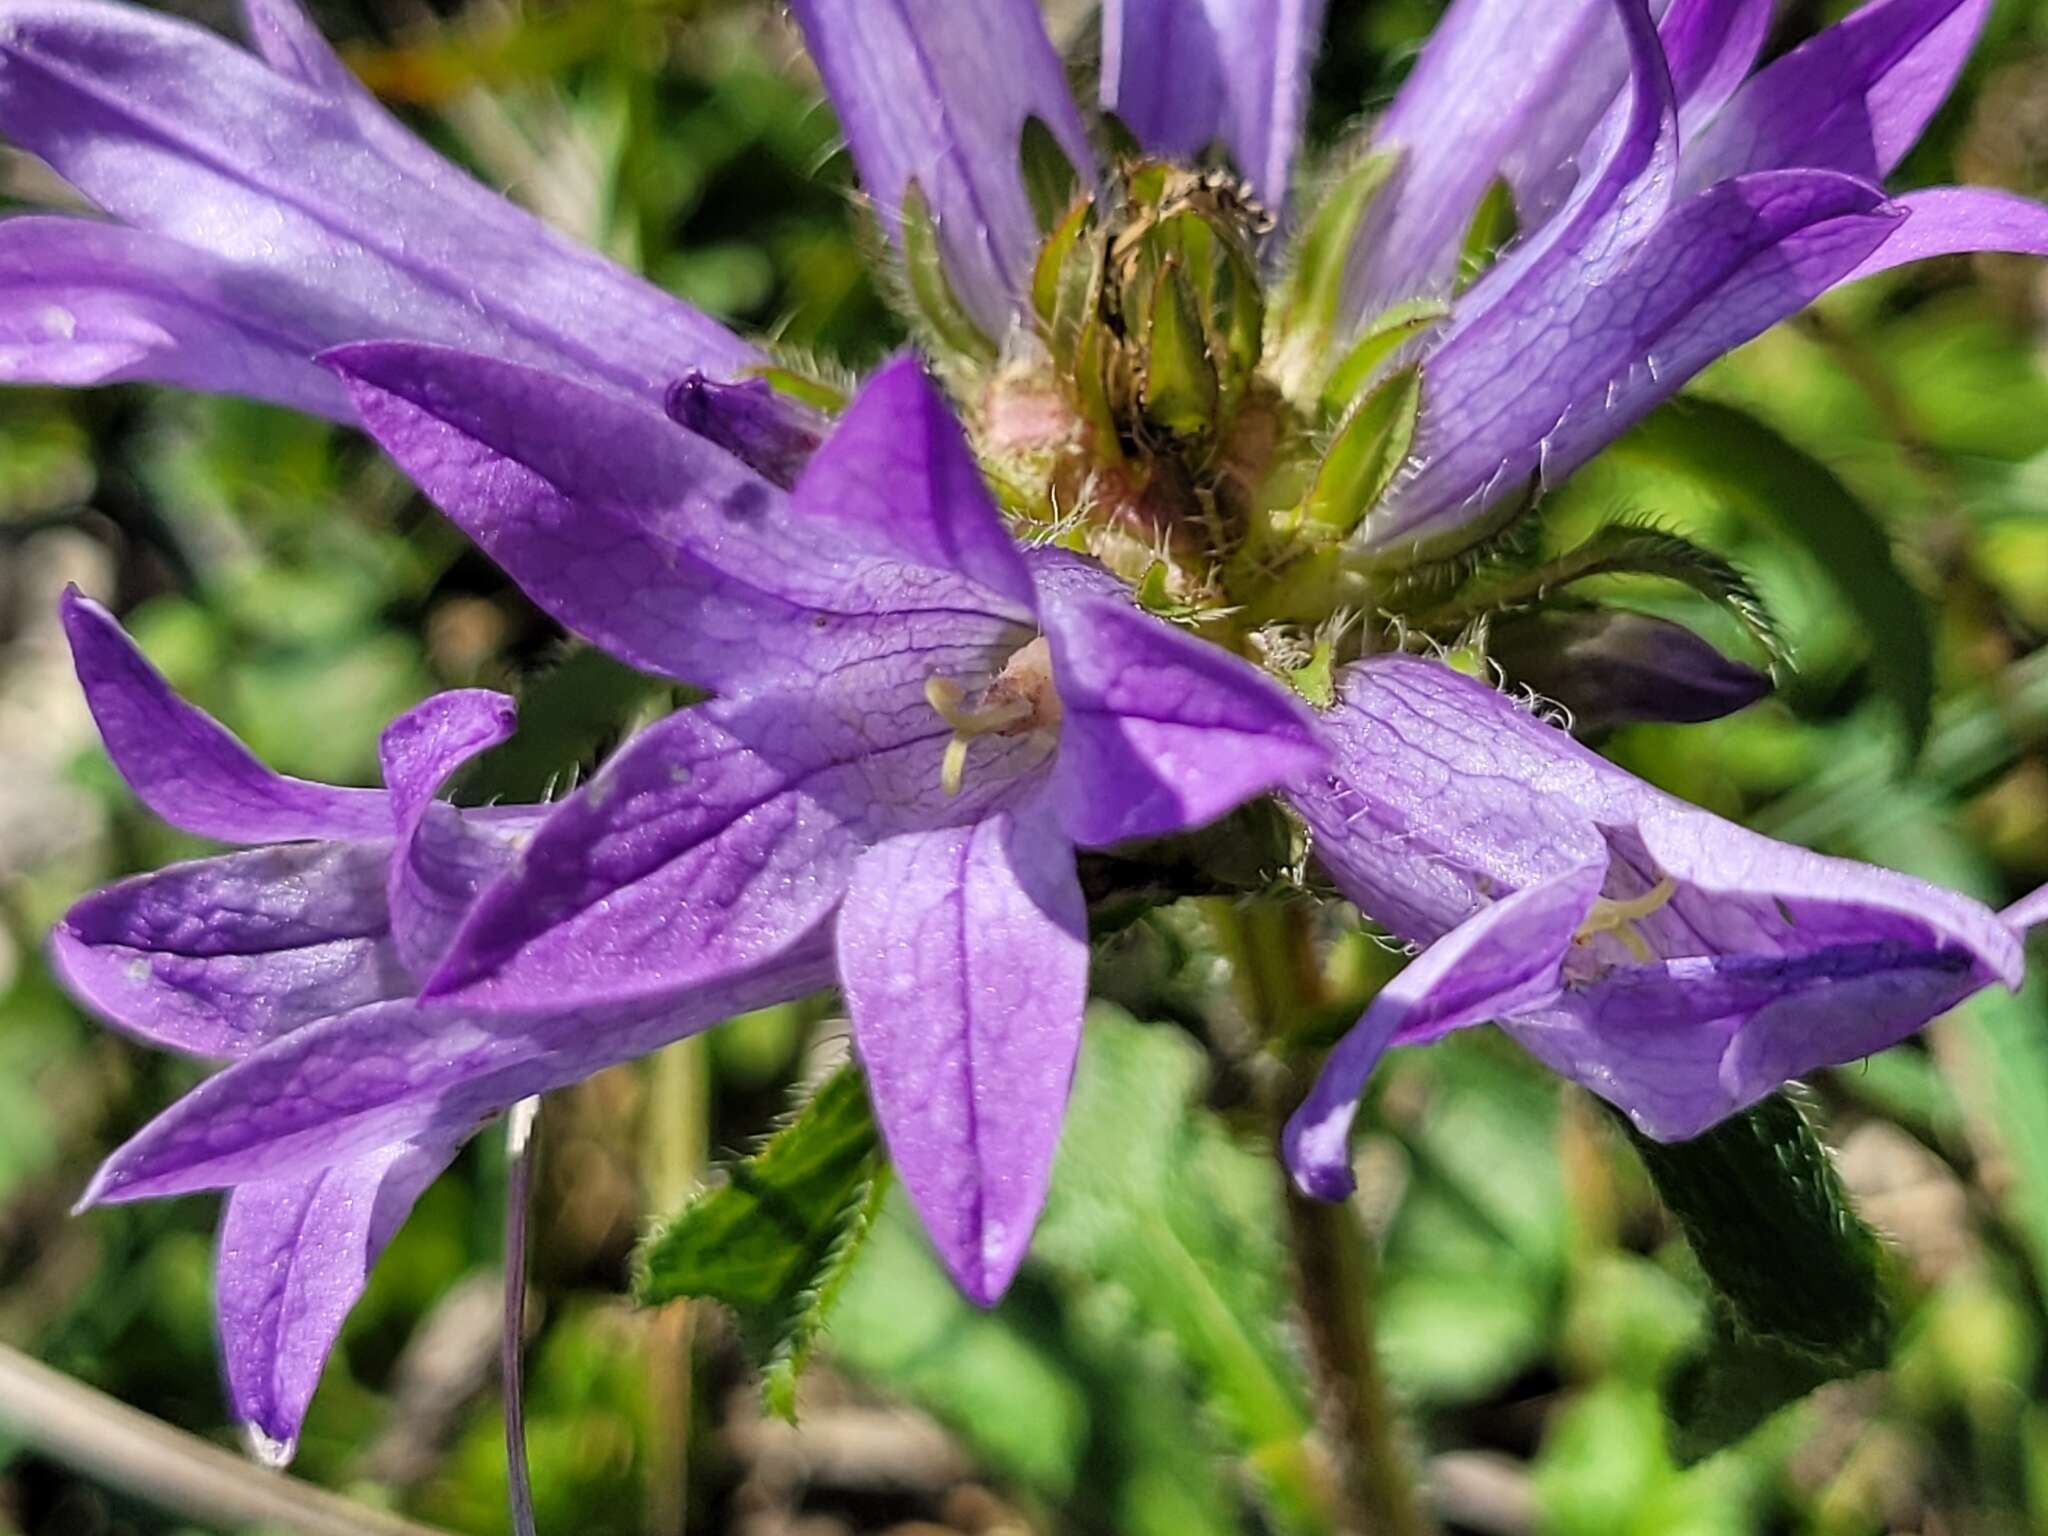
column 185, row 766
column 643, row 538
column 442, row 858
column 83, row 302
column 1504, row 959
column 1584, row 348
column 938, row 93
column 1182, row 74
column 964, row 956
column 295, row 1254
column 897, row 480
column 1160, row 731
column 299, row 180
column 1503, row 88
column 765, row 430
column 1609, row 667
column 222, row 956
column 1853, row 98
column 1950, row 221
column 401, row 1071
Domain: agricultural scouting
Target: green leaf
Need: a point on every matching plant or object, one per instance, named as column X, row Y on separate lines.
column 1772, row 1229
column 1745, row 462
column 1050, row 180
column 1313, row 294
column 776, row 1241
column 1368, row 448
column 1160, row 1200
column 931, row 290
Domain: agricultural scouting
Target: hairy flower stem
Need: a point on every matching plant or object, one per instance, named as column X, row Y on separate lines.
column 519, row 1127
column 673, row 1142
column 1280, row 985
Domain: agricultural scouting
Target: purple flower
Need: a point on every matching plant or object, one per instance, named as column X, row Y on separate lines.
column 1675, row 964
column 1714, row 203
column 968, row 715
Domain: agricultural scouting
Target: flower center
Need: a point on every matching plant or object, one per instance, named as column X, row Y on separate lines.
column 1021, row 698
column 1619, row 917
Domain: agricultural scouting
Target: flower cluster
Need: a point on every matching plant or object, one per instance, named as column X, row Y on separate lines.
column 1208, row 441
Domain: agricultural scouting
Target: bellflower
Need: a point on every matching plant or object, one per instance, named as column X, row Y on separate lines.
column 969, row 715
column 1677, row 965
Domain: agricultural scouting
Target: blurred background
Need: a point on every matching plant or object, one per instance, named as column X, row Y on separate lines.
column 1534, row 1307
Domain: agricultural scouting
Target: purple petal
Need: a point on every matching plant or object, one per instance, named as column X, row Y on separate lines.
column 300, row 181
column 765, row 430
column 1854, row 98
column 964, row 957
column 400, row 1071
column 938, row 93
column 295, row 1254
column 1503, row 88
column 1184, row 73
column 1160, row 731
column 1581, row 350
column 1610, row 667
column 442, row 858
column 185, row 766
column 1502, row 960
column 89, row 303
column 896, row 479
column 1710, row 46
column 222, row 956
column 1950, row 221
column 284, row 36
column 645, row 539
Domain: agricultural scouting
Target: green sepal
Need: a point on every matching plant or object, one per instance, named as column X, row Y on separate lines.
column 801, row 387
column 775, row 1241
column 1313, row 294
column 952, row 329
column 1050, row 180
column 1380, row 341
column 1094, row 355
column 1063, row 281
column 1494, row 224
column 1317, row 681
column 1367, row 450
column 1180, row 385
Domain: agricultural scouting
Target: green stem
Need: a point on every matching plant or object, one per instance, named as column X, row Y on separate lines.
column 674, row 1140
column 1282, row 990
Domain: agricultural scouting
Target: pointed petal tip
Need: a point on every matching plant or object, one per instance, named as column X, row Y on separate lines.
column 1318, row 1155
column 267, row 1450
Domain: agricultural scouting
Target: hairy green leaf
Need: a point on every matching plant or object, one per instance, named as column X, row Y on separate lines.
column 776, row 1240
column 930, row 289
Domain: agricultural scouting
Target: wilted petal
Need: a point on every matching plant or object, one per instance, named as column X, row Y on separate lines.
column 1182, row 74
column 1504, row 88
column 639, row 536
column 89, row 303
column 765, row 430
column 1569, row 359
column 224, row 955
column 1949, row 221
column 295, row 1254
column 1854, row 98
column 1504, row 959
column 896, row 479
column 185, row 766
column 442, row 858
column 964, row 957
column 309, row 185
column 938, row 93
column 401, row 1071
column 1161, row 731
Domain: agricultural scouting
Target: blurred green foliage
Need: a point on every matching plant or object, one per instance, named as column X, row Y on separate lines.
column 1539, row 1315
